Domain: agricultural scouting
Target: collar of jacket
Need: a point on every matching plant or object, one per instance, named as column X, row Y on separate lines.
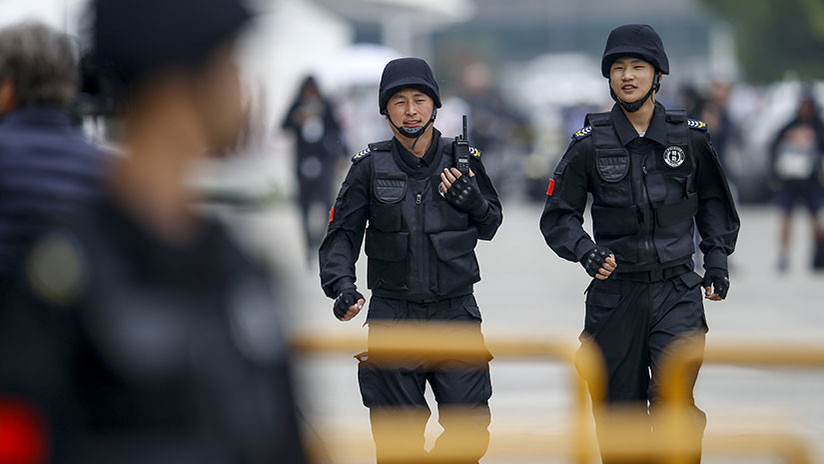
column 412, row 161
column 39, row 116
column 657, row 130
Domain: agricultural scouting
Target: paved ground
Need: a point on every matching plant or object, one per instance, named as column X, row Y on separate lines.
column 526, row 287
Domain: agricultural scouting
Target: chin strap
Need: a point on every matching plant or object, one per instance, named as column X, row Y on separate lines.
column 417, row 132
column 636, row 105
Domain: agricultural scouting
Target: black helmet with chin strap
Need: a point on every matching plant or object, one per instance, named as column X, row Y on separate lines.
column 404, row 73
column 639, row 41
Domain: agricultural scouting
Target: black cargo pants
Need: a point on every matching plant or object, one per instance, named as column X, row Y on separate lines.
column 634, row 320
column 393, row 391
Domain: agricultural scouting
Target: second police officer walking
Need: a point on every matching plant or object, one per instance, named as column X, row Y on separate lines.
column 653, row 176
column 424, row 219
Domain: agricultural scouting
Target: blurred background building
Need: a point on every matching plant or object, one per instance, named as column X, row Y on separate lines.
column 525, row 70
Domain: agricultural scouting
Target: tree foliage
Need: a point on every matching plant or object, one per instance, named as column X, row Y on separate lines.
column 774, row 37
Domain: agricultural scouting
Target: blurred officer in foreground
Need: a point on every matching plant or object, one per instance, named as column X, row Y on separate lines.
column 425, row 218
column 141, row 333
column 797, row 155
column 652, row 174
column 46, row 167
column 319, row 149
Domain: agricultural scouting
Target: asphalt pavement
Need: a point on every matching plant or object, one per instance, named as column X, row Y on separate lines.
column 525, row 288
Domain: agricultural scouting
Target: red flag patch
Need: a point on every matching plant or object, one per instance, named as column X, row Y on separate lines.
column 551, row 188
column 331, row 214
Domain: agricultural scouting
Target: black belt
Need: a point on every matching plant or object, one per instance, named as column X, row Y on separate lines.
column 655, row 275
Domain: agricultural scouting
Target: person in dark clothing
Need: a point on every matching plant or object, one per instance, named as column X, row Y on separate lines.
column 140, row 332
column 47, row 168
column 424, row 219
column 652, row 174
column 318, row 148
column 796, row 158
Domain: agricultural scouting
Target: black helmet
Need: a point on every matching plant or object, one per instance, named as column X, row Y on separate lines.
column 133, row 38
column 637, row 40
column 407, row 73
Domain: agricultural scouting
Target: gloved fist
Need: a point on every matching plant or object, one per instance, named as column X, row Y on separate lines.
column 599, row 263
column 348, row 304
column 716, row 283
column 462, row 192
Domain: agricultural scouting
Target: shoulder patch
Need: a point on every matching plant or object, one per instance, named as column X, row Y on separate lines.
column 696, row 124
column 475, row 152
column 582, row 133
column 361, row 155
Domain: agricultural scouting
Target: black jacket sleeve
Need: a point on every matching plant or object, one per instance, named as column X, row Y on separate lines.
column 562, row 220
column 340, row 248
column 717, row 218
column 489, row 223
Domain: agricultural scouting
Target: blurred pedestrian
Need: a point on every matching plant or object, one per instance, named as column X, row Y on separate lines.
column 425, row 218
column 715, row 112
column 796, row 155
column 494, row 126
column 47, row 168
column 318, row 149
column 141, row 332
column 653, row 176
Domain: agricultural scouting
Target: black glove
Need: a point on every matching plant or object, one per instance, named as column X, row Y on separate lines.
column 594, row 260
column 718, row 279
column 346, row 298
column 465, row 195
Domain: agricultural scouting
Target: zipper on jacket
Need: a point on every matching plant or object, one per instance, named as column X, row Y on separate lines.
column 419, row 217
column 646, row 231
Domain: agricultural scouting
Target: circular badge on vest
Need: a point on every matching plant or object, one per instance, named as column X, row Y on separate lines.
column 674, row 156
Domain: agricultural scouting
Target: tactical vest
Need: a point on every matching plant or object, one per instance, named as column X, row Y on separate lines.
column 419, row 246
column 644, row 205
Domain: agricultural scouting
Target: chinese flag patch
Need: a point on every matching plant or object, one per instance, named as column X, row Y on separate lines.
column 331, row 214
column 551, row 188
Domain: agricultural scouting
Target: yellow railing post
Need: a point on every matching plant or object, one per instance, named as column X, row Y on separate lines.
column 676, row 439
column 675, row 393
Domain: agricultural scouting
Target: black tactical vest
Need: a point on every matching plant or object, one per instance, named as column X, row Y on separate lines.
column 644, row 201
column 419, row 246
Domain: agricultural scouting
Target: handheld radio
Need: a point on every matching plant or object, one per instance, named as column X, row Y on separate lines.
column 460, row 149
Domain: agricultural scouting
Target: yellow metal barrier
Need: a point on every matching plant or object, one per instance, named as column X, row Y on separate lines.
column 448, row 341
column 675, row 392
column 626, row 435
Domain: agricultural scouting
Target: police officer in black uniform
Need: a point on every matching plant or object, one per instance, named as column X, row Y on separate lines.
column 424, row 219
column 653, row 175
column 139, row 331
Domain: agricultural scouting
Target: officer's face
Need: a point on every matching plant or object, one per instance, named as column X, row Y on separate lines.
column 410, row 108
column 631, row 78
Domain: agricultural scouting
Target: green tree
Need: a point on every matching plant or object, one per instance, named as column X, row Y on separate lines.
column 774, row 37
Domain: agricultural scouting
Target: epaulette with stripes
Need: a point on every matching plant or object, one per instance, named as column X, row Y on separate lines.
column 696, row 124
column 361, row 155
column 582, row 133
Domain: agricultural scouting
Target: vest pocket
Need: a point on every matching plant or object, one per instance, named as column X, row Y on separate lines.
column 457, row 266
column 390, row 187
column 386, row 217
column 681, row 211
column 388, row 259
column 612, row 164
column 615, row 221
column 439, row 216
column 385, row 210
column 674, row 236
